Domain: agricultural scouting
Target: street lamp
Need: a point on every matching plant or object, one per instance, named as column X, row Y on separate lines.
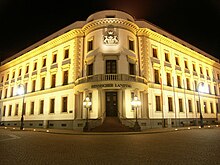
column 87, row 104
column 200, row 88
column 136, row 103
column 21, row 92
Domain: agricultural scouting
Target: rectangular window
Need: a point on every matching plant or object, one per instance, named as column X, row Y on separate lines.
column 179, row 84
column 64, row 104
column 167, row 57
column 132, row 97
column 170, row 104
column 42, row 83
column 41, row 106
column 90, row 69
column 32, row 108
column 211, row 107
column 158, row 103
column 19, row 73
column 66, row 53
column 207, row 72
column 156, row 76
column 12, row 91
column 155, row 52
column 215, row 90
column 33, row 85
column 24, row 109
column 0, row 94
column 205, row 107
column 131, row 69
column 194, row 67
column 198, row 106
column 217, row 110
column 54, row 58
column 2, row 79
column 6, row 92
column 181, row 105
column 16, row 109
column 201, row 71
column 177, row 61
column 131, row 45
column 53, row 81
column 90, row 45
column 44, row 62
column 13, row 74
column 7, row 78
column 52, row 105
column 65, row 77
column 27, row 69
column 35, row 66
column 195, row 84
column 4, row 110
column 187, row 84
column 10, row 109
column 218, row 76
column 168, row 79
column 25, row 87
column 186, row 64
column 111, row 67
column 190, row 105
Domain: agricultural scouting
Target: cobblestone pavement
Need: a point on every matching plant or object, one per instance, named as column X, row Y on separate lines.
column 194, row 146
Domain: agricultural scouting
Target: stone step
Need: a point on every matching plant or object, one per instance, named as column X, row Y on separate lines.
column 112, row 124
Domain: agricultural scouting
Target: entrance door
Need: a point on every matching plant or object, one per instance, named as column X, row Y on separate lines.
column 111, row 103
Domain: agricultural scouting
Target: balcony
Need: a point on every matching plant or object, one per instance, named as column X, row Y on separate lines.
column 111, row 77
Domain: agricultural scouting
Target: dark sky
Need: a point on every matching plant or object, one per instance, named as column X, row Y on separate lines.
column 24, row 22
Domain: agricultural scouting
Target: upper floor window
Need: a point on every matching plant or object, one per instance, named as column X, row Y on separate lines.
column 170, row 104
column 2, row 79
column 35, row 66
column 131, row 69
column 207, row 72
column 42, row 83
column 177, row 61
column 179, row 84
column 187, row 83
column 156, row 76
column 44, row 62
column 27, row 69
column 131, row 44
column 168, row 79
column 111, row 67
column 158, row 103
column 90, row 69
column 7, row 78
column 33, row 85
column 167, row 58
column 54, row 58
column 201, row 71
column 90, row 45
column 13, row 74
column 186, row 64
column 66, row 53
column 19, row 73
column 154, row 50
column 194, row 67
column 65, row 77
column 64, row 104
column 53, row 81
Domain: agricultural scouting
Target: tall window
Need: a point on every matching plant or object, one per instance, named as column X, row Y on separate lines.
column 41, row 106
column 4, row 110
column 19, row 73
column 2, row 79
column 207, row 72
column 7, row 78
column 186, row 64
column 179, row 84
column 66, row 53
column 187, row 84
column 156, row 76
column 167, row 57
column 54, row 58
column 190, row 105
column 32, row 108
column 10, row 109
column 27, row 69
column 201, row 71
column 198, row 106
column 111, row 67
column 158, row 103
column 6, row 92
column 16, row 109
column 52, row 105
column 168, row 79
column 53, row 81
column 209, row 88
column 131, row 69
column 131, row 45
column 65, row 77
column 33, row 85
column 170, row 104
column 195, row 84
column 211, row 107
column 215, row 90
column 0, row 94
column 177, row 61
column 205, row 107
column 194, row 67
column 64, row 104
column 44, row 62
column 42, row 83
column 90, row 69
column 217, row 110
column 12, row 90
column 154, row 50
column 35, row 66
column 24, row 109
column 90, row 45
column 181, row 105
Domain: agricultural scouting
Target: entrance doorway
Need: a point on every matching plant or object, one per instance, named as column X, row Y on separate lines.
column 111, row 103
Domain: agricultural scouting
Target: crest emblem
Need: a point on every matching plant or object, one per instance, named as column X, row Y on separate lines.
column 110, row 37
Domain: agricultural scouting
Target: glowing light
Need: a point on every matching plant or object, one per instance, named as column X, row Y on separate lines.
column 188, row 127
column 203, row 88
column 48, row 131
column 199, row 126
column 87, row 102
column 209, row 126
column 34, row 129
column 20, row 90
column 5, row 127
column 135, row 102
column 13, row 128
column 176, row 129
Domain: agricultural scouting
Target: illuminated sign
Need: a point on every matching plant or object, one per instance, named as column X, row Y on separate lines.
column 111, row 85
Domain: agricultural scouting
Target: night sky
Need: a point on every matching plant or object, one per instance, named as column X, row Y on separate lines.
column 24, row 22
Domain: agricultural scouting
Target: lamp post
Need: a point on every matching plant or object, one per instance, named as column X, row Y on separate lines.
column 21, row 92
column 136, row 103
column 200, row 111
column 87, row 104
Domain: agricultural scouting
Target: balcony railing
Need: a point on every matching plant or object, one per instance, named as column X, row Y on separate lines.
column 111, row 77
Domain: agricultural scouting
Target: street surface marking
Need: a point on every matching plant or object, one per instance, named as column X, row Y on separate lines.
column 12, row 137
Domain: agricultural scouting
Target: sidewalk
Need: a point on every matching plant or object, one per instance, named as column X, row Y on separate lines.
column 75, row 132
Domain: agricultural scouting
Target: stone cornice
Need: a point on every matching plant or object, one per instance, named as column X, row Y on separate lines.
column 117, row 22
column 42, row 48
column 177, row 46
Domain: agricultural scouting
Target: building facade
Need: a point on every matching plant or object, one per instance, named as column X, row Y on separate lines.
column 110, row 57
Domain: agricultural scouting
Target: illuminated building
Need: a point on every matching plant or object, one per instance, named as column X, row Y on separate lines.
column 111, row 58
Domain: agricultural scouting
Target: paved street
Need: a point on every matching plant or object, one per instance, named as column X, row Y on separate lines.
column 195, row 146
